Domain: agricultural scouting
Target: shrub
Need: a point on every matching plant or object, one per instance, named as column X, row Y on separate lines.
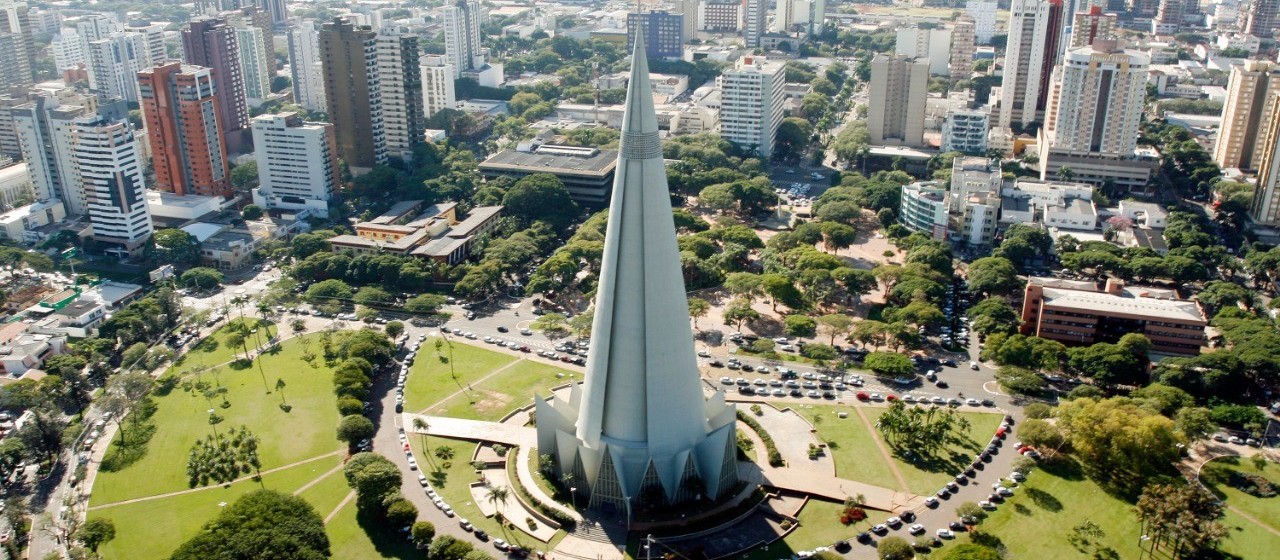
column 1251, row 484
column 500, row 450
column 348, row 406
column 775, row 457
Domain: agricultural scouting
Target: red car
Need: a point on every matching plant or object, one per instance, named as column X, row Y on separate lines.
column 524, row 349
column 1001, row 433
column 863, row 396
column 891, row 398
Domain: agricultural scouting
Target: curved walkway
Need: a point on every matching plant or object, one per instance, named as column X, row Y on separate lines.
column 1199, row 455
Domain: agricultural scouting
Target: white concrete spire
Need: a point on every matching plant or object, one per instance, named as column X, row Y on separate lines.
column 641, row 408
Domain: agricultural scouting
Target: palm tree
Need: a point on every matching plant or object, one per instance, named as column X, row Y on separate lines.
column 496, row 495
column 420, row 424
column 280, row 388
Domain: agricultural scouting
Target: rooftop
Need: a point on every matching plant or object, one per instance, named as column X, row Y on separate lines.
column 1133, row 301
column 555, row 159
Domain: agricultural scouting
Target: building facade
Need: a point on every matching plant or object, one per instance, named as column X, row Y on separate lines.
column 899, row 88
column 931, row 45
column 1078, row 313
column 114, row 62
column 751, row 103
column 1035, row 32
column 983, row 13
column 437, row 85
column 254, row 63
column 754, row 13
column 1097, row 103
column 1262, row 18
column 297, row 164
column 183, row 119
column 110, row 166
column 1265, row 208
column 966, row 132
column 352, row 92
column 211, row 42
column 45, row 128
column 663, row 33
column 462, row 36
column 1093, row 25
column 924, row 209
column 400, row 90
column 721, row 15
column 305, row 65
column 963, row 45
column 1246, row 113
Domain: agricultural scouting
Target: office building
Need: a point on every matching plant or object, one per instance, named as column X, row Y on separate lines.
column 1077, row 313
column 437, row 85
column 15, row 19
column 1035, row 31
column 210, row 42
column 663, row 33
column 297, row 164
column 587, row 173
column 462, row 36
column 751, row 97
column 1262, row 19
column 305, row 65
column 1246, row 113
column 899, row 88
column 931, row 45
column 983, row 13
column 1265, row 208
column 110, row 166
column 400, row 86
column 963, row 45
column 753, row 22
column 352, row 93
column 276, row 9
column 638, row 430
column 254, row 63
column 183, row 117
column 924, row 209
column 1093, row 25
column 966, row 131
column 721, row 15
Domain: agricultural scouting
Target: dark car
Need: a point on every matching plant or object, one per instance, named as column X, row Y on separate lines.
column 944, row 492
column 956, row 526
column 715, row 363
column 399, row 407
column 481, row 535
column 842, row 546
column 949, row 363
column 796, row 393
column 940, row 384
column 503, row 329
column 908, row 516
column 864, row 537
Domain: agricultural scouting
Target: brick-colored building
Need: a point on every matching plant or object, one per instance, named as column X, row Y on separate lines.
column 185, row 127
column 1078, row 313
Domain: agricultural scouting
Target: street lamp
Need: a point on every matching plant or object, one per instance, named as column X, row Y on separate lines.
column 573, row 490
column 628, row 504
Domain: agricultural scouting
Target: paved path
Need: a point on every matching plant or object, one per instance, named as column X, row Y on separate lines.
column 351, row 496
column 473, row 430
column 884, row 452
column 213, row 486
column 1199, row 455
column 836, row 488
column 319, row 478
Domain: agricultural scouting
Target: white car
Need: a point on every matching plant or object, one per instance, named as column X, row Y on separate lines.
column 448, row 511
column 916, row 529
column 466, row 525
column 726, row 381
column 986, row 505
column 945, row 534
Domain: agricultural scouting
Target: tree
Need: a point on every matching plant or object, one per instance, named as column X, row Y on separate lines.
column 373, row 296
column 424, row 303
column 244, row 177
column 1181, row 516
column 993, row 276
column 1020, row 381
column 172, row 245
column 447, row 547
column 1120, row 443
column 252, row 212
column 800, row 326
column 422, row 533
column 792, row 137
column 497, row 495
column 895, row 548
column 782, row 290
column 540, row 196
column 261, row 524
column 373, row 477
column 889, row 364
column 400, row 512
column 552, row 324
column 395, row 329
column 1195, row 423
column 42, row 434
column 1040, row 434
column 354, row 428
column 743, row 285
column 739, row 311
column 834, row 325
column 202, row 278
column 698, row 308
column 96, row 532
column 969, row 511
column 328, row 291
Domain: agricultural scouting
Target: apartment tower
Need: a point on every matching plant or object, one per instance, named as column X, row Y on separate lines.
column 1035, row 34
column 305, row 66
column 349, row 56
column 400, row 84
column 899, row 87
column 1246, row 114
column 210, row 42
column 462, row 36
column 183, row 117
column 297, row 163
column 751, row 103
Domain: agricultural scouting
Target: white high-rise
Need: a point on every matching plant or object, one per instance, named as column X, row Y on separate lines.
column 784, row 15
column 1035, row 29
column 1097, row 101
column 114, row 62
column 751, row 103
column 305, row 65
column 44, row 128
column 154, row 36
column 254, row 64
column 462, row 36
column 437, row 85
column 297, row 163
column 109, row 163
column 983, row 13
column 753, row 16
column 931, row 45
column 68, row 49
column 400, row 80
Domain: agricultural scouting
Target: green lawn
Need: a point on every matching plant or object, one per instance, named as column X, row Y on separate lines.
column 453, row 484
column 927, row 477
column 430, row 380
column 153, row 529
column 214, row 350
column 499, row 395
column 348, row 539
column 1266, row 510
column 182, row 417
column 326, row 494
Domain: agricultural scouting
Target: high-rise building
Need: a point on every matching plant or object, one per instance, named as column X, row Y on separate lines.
column 211, row 42
column 1035, row 33
column 784, row 16
column 305, row 66
column 899, row 87
column 638, row 432
column 11, row 48
column 1262, row 19
column 154, row 36
column 1169, row 16
column 297, row 164
column 932, row 45
column 1097, row 101
column 400, row 86
column 68, row 50
column 753, row 22
column 15, row 18
column 97, row 26
column 663, row 33
column 966, row 131
column 9, row 145
column 983, row 13
column 1093, row 25
column 688, row 9
column 254, row 63
column 352, row 93
column 721, row 15
column 817, row 16
column 110, row 167
column 963, row 45
column 44, row 127
column 437, row 85
column 114, row 62
column 183, row 118
column 251, row 16
column 276, row 9
column 462, row 36
column 1246, row 114
column 1265, row 208
column 751, row 103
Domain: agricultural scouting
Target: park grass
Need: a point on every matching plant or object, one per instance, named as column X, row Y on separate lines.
column 820, row 526
column 1214, row 475
column 516, row 387
column 182, row 417
column 453, row 484
column 326, row 494
column 925, row 478
column 851, row 445
column 213, row 350
column 1247, row 539
column 349, row 539
column 153, row 529
column 430, row 382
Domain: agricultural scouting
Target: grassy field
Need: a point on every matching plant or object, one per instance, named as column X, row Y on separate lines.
column 349, row 540
column 182, row 417
column 214, row 350
column 858, row 457
column 430, row 381
column 1267, row 510
column 513, row 388
column 153, row 529
column 327, row 493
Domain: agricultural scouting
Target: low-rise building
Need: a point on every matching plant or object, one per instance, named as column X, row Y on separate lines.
column 22, row 350
column 1078, row 313
column 1054, row 204
column 27, row 224
column 924, row 208
column 966, row 131
column 434, row 233
column 587, row 173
